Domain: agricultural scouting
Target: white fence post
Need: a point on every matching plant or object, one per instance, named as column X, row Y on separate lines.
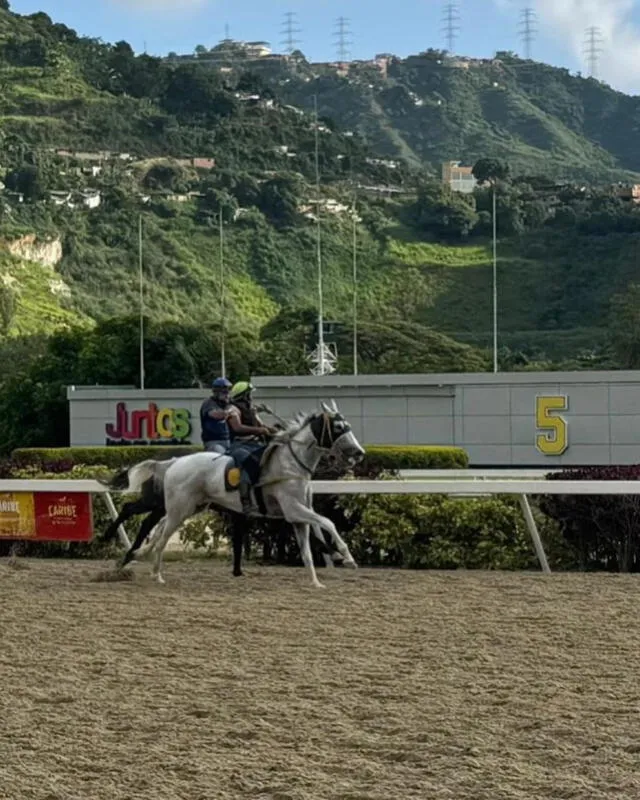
column 533, row 530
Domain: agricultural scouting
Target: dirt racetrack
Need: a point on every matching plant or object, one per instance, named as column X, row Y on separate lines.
column 387, row 685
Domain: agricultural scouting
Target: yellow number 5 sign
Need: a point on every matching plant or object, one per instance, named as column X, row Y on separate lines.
column 552, row 438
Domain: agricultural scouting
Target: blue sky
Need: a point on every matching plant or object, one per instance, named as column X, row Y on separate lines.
column 401, row 27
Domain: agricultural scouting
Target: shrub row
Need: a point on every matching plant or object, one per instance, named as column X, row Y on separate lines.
column 112, row 457
column 378, row 457
column 602, row 530
column 586, row 532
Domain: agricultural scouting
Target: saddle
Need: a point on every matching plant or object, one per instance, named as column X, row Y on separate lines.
column 247, row 456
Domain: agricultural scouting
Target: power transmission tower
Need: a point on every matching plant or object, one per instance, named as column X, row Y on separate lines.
column 342, row 37
column 527, row 29
column 289, row 30
column 592, row 49
column 451, row 19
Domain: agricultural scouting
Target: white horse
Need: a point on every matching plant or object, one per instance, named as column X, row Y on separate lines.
column 288, row 464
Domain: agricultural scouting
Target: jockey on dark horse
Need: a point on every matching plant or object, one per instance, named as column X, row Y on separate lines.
column 247, row 432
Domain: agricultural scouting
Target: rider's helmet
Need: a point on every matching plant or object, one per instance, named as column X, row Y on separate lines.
column 240, row 391
column 221, row 386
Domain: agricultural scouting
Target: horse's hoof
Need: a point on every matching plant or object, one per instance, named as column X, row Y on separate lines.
column 238, row 574
column 318, row 585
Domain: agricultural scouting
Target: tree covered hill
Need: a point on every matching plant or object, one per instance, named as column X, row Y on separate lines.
column 191, row 141
column 430, row 108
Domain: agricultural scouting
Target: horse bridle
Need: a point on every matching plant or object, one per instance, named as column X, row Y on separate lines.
column 327, row 430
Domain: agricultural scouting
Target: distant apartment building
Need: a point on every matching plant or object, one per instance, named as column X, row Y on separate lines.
column 460, row 179
column 629, row 192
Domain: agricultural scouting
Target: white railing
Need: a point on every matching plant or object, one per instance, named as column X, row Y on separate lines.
column 516, row 482
column 475, row 474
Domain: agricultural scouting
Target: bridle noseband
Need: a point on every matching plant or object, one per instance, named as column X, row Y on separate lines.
column 326, row 434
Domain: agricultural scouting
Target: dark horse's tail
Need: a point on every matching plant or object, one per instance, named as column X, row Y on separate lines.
column 131, row 479
column 120, row 481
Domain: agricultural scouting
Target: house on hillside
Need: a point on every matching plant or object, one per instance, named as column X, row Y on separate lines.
column 382, row 162
column 185, row 197
column 89, row 198
column 460, row 179
column 628, row 192
column 329, row 205
column 256, row 49
column 61, row 198
column 197, row 163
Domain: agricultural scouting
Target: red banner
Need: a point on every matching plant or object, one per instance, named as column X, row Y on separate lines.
column 63, row 517
column 46, row 516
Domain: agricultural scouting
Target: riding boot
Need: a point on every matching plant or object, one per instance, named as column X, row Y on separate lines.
column 248, row 509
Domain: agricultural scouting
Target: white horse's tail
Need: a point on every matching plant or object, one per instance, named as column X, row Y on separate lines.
column 140, row 473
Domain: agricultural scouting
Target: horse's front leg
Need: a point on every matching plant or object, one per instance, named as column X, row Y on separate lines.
column 297, row 512
column 301, row 530
column 324, row 522
column 328, row 555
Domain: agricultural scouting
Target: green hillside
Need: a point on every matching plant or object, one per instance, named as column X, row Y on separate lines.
column 431, row 108
column 189, row 140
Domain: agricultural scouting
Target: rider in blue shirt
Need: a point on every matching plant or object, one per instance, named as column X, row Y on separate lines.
column 214, row 414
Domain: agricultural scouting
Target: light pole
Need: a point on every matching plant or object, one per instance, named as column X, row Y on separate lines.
column 223, row 365
column 355, row 287
column 141, row 291
column 321, row 353
column 495, row 283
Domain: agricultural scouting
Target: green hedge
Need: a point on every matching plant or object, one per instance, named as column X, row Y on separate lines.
column 392, row 457
column 378, row 458
column 439, row 532
column 113, row 457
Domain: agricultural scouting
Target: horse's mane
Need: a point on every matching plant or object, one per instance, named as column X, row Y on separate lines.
column 292, row 427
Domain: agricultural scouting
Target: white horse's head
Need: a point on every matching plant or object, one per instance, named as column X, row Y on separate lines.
column 333, row 433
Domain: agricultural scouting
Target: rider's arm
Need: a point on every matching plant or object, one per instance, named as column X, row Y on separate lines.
column 218, row 414
column 213, row 410
column 238, row 427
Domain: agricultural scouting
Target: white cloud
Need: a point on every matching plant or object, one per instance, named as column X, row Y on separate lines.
column 568, row 20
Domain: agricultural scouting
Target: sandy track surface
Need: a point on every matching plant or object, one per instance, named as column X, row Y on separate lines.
column 388, row 685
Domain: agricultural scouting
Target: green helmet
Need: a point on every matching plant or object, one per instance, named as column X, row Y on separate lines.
column 239, row 390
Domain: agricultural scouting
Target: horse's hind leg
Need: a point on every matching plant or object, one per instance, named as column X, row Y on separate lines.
column 128, row 510
column 148, row 524
column 324, row 549
column 172, row 522
column 237, row 525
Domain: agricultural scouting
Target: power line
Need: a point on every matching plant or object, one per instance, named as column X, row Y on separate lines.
column 527, row 30
column 342, row 37
column 289, row 30
column 450, row 19
column 592, row 49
